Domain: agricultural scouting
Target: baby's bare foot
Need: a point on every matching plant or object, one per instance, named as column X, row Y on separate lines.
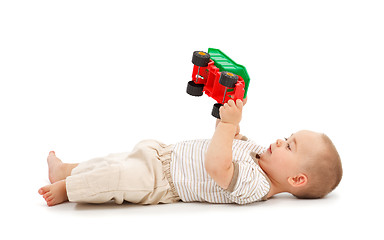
column 55, row 165
column 55, row 193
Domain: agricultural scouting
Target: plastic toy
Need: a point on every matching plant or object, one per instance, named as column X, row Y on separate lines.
column 219, row 77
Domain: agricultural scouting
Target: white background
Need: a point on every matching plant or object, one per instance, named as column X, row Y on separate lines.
column 88, row 78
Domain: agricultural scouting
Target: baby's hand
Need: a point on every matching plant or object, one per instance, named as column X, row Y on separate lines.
column 231, row 112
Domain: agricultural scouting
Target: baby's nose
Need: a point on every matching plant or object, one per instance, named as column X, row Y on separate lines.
column 279, row 142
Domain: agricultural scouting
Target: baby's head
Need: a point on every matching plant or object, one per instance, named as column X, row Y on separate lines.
column 306, row 164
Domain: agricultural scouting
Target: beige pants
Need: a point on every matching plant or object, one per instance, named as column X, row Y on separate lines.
column 141, row 176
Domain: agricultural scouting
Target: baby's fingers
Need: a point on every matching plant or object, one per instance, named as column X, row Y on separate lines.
column 231, row 103
column 239, row 104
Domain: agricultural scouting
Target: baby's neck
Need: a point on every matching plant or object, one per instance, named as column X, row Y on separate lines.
column 275, row 188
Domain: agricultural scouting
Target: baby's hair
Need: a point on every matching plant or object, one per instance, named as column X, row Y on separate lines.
column 324, row 171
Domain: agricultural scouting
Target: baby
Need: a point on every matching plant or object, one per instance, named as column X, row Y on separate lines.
column 225, row 169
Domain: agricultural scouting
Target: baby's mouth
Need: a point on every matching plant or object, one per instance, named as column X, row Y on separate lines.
column 270, row 149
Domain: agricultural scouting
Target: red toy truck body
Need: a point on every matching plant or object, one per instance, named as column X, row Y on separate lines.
column 209, row 76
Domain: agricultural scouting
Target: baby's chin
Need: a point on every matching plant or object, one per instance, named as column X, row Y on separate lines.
column 263, row 160
column 263, row 156
column 260, row 158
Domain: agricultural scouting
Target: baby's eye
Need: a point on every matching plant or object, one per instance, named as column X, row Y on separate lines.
column 289, row 147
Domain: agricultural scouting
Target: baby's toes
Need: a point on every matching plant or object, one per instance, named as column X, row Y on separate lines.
column 49, row 198
column 51, row 201
column 47, row 195
column 44, row 190
column 51, row 155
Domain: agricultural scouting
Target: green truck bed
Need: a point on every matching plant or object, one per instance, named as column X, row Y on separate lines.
column 225, row 63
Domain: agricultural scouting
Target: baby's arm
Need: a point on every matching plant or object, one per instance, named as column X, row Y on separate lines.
column 237, row 134
column 218, row 159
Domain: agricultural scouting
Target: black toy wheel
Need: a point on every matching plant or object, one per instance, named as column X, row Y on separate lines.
column 215, row 110
column 200, row 58
column 195, row 89
column 228, row 79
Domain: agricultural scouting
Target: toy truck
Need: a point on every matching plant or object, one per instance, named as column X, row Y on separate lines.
column 219, row 77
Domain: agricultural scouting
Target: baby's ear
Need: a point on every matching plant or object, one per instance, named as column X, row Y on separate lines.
column 299, row 180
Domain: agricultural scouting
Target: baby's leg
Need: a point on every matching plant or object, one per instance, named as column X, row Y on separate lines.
column 54, row 193
column 57, row 169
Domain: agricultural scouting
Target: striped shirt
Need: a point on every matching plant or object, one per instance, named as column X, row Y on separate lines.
column 193, row 183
